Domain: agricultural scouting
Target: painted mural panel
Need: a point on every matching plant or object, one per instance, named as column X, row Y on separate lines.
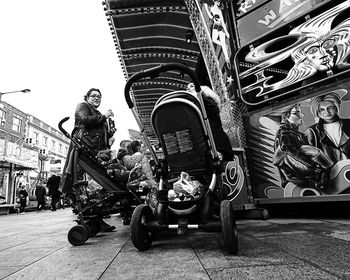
column 313, row 48
column 234, row 184
column 302, row 149
column 258, row 17
column 215, row 17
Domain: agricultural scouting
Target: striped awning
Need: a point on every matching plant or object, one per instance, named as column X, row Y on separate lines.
column 148, row 33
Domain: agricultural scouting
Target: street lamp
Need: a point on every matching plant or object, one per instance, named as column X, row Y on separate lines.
column 23, row 90
column 7, row 92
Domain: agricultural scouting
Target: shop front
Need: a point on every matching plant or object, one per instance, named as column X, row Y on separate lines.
column 15, row 161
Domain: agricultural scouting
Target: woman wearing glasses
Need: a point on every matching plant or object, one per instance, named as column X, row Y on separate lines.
column 331, row 134
column 90, row 125
column 91, row 128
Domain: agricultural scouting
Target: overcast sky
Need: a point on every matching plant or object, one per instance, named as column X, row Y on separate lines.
column 59, row 50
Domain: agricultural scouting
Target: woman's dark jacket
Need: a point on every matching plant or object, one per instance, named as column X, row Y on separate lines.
column 293, row 164
column 91, row 128
column 317, row 137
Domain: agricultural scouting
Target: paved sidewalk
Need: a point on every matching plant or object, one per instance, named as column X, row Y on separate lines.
column 35, row 246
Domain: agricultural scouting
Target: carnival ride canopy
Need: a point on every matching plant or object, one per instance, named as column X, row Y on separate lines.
column 148, row 33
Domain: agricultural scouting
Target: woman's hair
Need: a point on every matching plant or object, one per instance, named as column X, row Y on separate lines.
column 331, row 97
column 86, row 96
column 121, row 154
column 134, row 146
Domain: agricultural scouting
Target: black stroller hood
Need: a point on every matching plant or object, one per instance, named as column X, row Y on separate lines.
column 181, row 132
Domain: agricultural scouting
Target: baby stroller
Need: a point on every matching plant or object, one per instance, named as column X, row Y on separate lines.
column 190, row 158
column 91, row 205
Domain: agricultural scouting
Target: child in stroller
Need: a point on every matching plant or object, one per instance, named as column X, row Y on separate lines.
column 191, row 168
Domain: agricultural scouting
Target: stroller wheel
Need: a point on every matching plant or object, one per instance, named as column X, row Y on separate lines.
column 94, row 226
column 229, row 229
column 77, row 235
column 140, row 237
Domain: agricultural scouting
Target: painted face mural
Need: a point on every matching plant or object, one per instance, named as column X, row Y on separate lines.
column 321, row 163
column 319, row 46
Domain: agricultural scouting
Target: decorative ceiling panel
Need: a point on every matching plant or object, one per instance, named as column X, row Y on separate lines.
column 148, row 33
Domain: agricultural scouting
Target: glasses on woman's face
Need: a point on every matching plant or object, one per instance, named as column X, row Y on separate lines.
column 97, row 96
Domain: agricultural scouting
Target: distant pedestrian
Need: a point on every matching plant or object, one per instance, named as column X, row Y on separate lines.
column 23, row 194
column 54, row 192
column 40, row 193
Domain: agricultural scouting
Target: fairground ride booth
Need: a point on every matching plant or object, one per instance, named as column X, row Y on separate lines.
column 294, row 53
column 260, row 57
column 148, row 33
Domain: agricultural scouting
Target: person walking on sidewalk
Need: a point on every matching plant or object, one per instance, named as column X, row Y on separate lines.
column 55, row 194
column 40, row 193
column 23, row 194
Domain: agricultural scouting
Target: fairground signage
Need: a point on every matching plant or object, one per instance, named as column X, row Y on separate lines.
column 314, row 48
column 257, row 17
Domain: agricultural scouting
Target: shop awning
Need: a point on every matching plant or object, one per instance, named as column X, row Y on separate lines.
column 20, row 164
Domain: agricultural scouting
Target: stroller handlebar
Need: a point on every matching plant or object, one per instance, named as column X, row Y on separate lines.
column 62, row 129
column 154, row 72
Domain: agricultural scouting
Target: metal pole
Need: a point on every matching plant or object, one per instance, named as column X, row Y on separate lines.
column 7, row 92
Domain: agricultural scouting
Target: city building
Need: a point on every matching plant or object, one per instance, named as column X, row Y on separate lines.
column 30, row 150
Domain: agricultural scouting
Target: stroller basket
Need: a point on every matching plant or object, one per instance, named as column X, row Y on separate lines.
column 162, row 197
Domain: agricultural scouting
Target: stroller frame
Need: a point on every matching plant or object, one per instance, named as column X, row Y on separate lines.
column 185, row 215
column 120, row 198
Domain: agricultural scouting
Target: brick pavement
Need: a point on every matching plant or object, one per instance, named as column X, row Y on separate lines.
column 35, row 246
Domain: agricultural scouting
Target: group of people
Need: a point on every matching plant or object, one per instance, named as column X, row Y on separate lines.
column 51, row 190
column 91, row 128
column 41, row 192
column 306, row 159
column 138, row 167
